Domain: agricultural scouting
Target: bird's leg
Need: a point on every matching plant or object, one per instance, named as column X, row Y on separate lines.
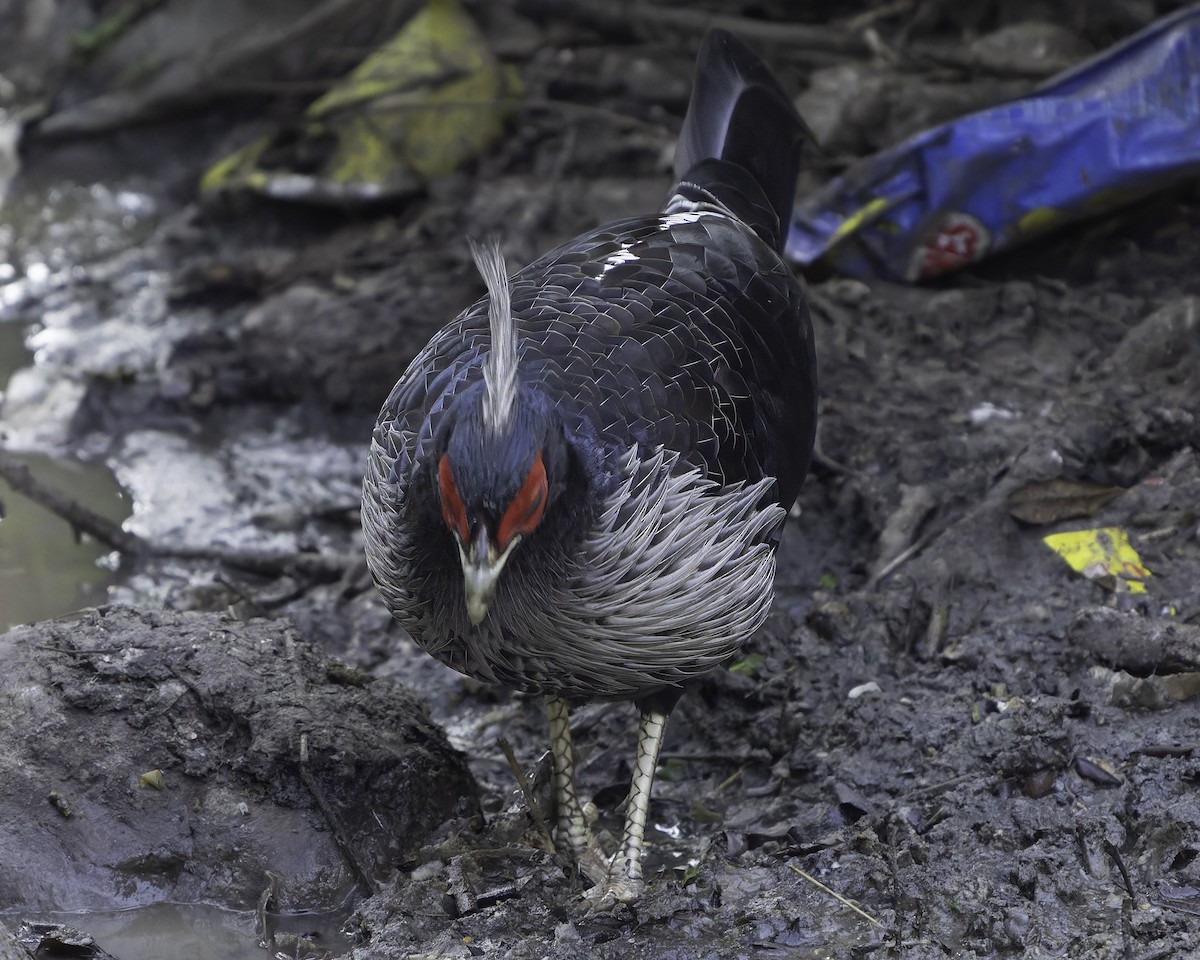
column 624, row 881
column 572, row 834
column 571, row 829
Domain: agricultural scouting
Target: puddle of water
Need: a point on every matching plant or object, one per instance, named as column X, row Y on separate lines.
column 45, row 571
column 47, row 230
column 192, row 930
column 13, row 355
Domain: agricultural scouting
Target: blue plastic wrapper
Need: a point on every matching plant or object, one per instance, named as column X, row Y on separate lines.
column 1119, row 126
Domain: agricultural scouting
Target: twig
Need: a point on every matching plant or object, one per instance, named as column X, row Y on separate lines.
column 890, row 567
column 82, row 520
column 262, row 921
column 967, row 61
column 1115, row 854
column 264, row 562
column 1168, row 749
column 340, row 837
column 623, row 18
column 857, row 38
column 836, row 896
column 936, row 788
column 869, row 17
column 256, row 609
column 1166, row 903
column 732, row 778
column 1126, row 901
column 535, row 808
column 268, row 563
column 826, row 461
column 586, row 111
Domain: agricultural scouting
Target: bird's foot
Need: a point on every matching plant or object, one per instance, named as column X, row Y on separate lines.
column 613, row 892
column 574, row 839
column 622, row 884
column 590, row 860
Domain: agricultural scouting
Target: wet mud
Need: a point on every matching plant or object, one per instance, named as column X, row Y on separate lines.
column 946, row 742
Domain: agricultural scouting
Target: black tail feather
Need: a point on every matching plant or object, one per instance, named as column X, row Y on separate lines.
column 740, row 116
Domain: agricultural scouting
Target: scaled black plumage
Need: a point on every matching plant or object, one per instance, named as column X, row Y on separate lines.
column 578, row 486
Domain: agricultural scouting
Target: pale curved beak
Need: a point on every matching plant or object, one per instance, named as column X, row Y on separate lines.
column 481, row 564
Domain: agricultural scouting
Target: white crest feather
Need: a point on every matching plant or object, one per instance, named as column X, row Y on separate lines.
column 500, row 367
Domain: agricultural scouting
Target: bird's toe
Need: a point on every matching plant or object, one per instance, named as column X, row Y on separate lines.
column 613, row 892
column 592, row 862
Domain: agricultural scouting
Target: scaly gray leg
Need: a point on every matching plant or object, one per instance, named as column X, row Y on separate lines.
column 624, row 881
column 571, row 831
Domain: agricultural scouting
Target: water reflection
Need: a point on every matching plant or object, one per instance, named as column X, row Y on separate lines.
column 194, row 930
column 47, row 231
column 45, row 570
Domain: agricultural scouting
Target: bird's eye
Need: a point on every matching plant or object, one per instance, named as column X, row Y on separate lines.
column 525, row 512
column 454, row 512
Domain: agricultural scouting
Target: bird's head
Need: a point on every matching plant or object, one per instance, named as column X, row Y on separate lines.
column 495, row 486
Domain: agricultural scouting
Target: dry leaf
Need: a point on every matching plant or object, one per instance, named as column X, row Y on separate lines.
column 1048, row 501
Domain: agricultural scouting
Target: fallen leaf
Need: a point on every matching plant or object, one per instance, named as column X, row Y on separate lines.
column 425, row 102
column 748, row 666
column 1098, row 771
column 1048, row 501
column 152, row 778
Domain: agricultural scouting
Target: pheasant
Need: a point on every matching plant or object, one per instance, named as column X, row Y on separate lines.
column 577, row 488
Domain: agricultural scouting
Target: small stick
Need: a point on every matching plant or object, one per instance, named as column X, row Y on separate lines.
column 82, row 520
column 892, row 565
column 320, row 566
column 340, row 838
column 535, row 809
column 619, row 18
column 262, row 921
column 864, row 20
column 1111, row 849
column 736, row 775
column 836, row 896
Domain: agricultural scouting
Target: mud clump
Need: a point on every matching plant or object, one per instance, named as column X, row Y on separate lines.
column 184, row 757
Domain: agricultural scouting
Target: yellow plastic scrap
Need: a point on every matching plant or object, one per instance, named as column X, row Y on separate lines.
column 428, row 100
column 862, row 217
column 1040, row 220
column 1104, row 555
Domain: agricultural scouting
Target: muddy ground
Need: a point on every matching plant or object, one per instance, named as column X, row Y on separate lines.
column 988, row 753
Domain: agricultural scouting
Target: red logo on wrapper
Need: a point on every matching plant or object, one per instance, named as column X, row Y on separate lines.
column 959, row 239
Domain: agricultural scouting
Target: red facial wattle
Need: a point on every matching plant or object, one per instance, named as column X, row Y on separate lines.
column 525, row 511
column 454, row 511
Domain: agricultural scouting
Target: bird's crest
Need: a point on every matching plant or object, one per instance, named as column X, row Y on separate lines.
column 500, row 367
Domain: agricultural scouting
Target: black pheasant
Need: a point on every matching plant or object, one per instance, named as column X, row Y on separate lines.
column 577, row 488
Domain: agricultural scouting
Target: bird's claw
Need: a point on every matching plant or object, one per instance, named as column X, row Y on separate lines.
column 613, row 892
column 618, row 888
